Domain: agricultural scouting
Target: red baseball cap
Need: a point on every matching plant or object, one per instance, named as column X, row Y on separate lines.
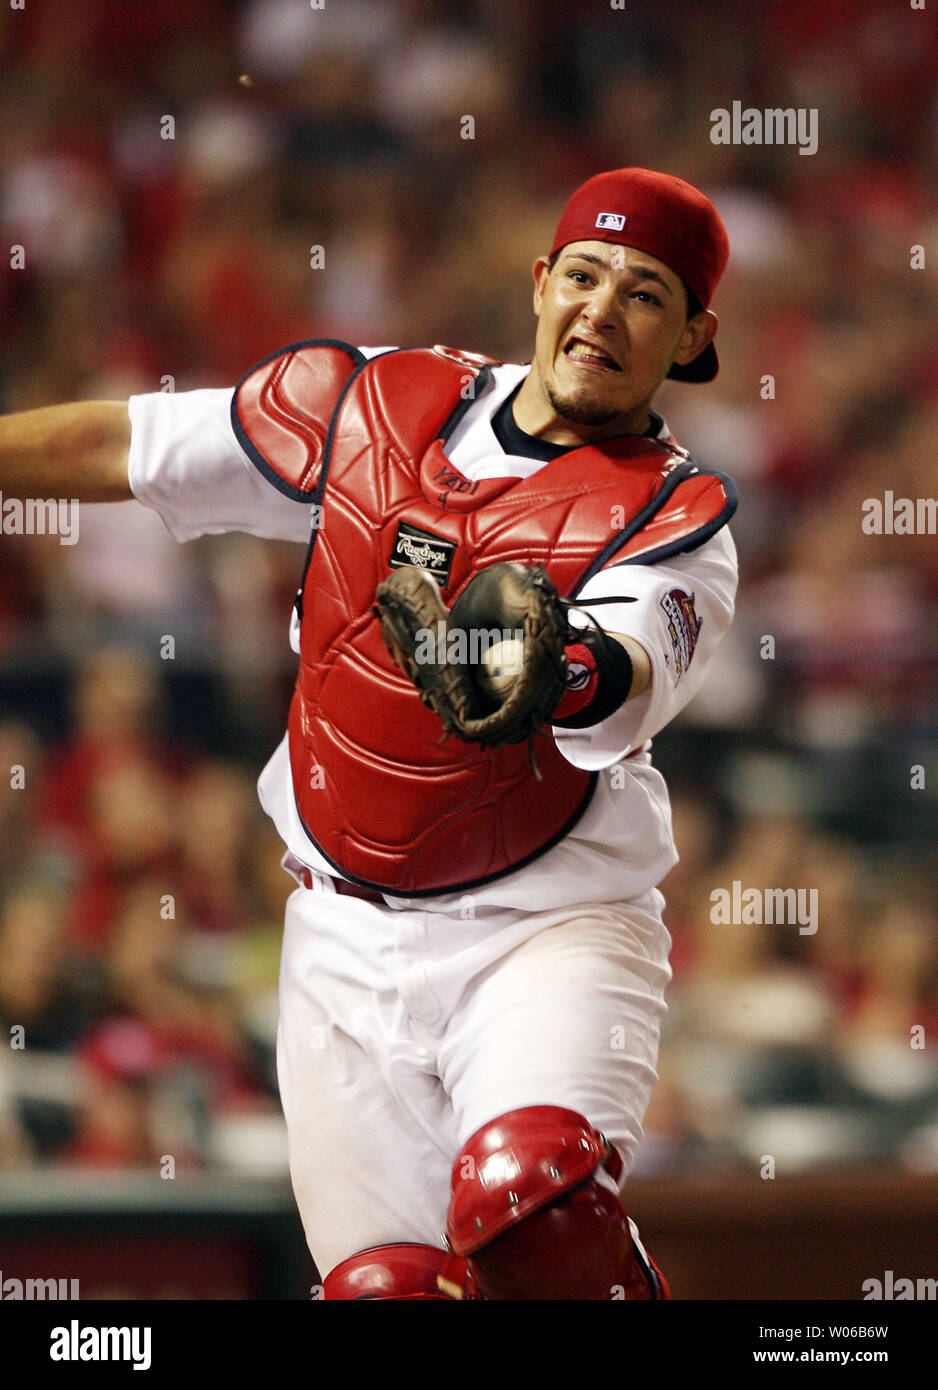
column 664, row 216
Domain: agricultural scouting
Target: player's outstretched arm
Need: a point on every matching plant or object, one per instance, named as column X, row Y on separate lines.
column 78, row 450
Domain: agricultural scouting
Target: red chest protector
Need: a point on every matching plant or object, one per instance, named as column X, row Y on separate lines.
column 386, row 802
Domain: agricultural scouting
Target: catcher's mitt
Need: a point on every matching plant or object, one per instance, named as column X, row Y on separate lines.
column 439, row 650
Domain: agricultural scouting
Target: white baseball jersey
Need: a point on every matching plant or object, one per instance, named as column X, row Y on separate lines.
column 404, row 1030
column 186, row 464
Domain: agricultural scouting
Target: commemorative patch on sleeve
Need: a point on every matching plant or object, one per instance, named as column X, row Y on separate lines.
column 683, row 629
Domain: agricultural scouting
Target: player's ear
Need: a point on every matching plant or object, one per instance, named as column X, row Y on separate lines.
column 540, row 270
column 698, row 333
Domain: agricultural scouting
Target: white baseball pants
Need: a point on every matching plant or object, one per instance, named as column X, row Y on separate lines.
column 402, row 1032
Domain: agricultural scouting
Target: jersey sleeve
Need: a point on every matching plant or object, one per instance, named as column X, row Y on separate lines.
column 185, row 463
column 682, row 612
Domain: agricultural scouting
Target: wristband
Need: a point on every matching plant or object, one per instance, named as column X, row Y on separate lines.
column 599, row 678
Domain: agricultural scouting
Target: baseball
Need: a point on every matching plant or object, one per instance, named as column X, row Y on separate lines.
column 500, row 665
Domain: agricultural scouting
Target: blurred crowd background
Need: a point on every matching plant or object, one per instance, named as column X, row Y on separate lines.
column 141, row 894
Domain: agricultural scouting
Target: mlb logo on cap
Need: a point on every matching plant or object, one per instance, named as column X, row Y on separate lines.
column 615, row 221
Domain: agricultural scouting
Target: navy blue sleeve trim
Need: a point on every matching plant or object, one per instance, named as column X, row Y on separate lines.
column 651, row 507
column 697, row 538
column 260, row 463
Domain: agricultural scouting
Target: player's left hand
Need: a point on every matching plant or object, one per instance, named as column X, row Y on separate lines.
column 507, row 601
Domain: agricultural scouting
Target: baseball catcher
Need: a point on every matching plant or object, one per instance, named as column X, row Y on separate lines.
column 515, row 577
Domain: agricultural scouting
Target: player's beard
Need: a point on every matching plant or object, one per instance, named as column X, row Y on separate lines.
column 579, row 411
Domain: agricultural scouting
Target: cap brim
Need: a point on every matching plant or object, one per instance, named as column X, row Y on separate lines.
column 703, row 368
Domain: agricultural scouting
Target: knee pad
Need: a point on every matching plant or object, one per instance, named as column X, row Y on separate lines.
column 532, row 1220
column 393, row 1273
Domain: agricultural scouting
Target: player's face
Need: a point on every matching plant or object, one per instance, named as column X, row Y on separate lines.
column 611, row 321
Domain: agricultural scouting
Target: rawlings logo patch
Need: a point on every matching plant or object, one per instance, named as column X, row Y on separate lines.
column 683, row 629
column 415, row 547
